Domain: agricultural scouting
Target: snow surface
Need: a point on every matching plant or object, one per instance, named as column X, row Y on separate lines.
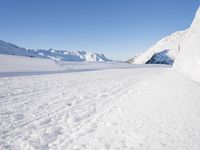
column 147, row 107
column 163, row 52
column 11, row 65
column 58, row 55
column 188, row 60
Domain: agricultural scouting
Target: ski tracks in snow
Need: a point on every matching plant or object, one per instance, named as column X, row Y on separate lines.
column 90, row 110
column 42, row 112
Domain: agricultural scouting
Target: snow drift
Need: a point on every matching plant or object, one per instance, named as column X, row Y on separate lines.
column 58, row 55
column 188, row 60
column 163, row 52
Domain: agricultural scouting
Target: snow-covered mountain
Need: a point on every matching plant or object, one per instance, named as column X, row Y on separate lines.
column 163, row 52
column 181, row 47
column 58, row 55
column 188, row 60
column 132, row 60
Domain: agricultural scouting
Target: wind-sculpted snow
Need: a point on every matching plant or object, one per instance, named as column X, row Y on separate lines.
column 188, row 60
column 58, row 55
column 136, row 108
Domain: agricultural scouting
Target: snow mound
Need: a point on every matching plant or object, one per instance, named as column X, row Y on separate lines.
column 58, row 55
column 163, row 52
column 188, row 60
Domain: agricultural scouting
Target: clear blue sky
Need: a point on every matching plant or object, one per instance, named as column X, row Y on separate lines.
column 117, row 28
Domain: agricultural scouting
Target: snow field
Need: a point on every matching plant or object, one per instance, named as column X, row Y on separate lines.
column 105, row 110
column 10, row 63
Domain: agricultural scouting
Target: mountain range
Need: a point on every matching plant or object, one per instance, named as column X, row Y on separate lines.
column 57, row 55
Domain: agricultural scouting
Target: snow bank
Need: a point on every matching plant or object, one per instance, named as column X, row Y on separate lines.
column 188, row 60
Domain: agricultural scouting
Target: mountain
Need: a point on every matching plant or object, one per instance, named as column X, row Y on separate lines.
column 132, row 60
column 58, row 55
column 188, row 60
column 163, row 52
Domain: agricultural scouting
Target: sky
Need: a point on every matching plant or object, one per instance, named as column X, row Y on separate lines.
column 118, row 28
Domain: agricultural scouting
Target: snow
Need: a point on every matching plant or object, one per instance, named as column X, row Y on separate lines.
column 58, row 55
column 143, row 107
column 188, row 60
column 10, row 63
column 101, row 104
column 163, row 52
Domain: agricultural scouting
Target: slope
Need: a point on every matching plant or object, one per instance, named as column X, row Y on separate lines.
column 188, row 60
column 163, row 52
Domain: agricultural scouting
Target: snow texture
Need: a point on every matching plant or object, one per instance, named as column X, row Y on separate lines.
column 116, row 109
column 188, row 60
column 58, row 55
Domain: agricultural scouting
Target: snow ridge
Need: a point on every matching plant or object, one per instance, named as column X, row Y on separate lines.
column 163, row 52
